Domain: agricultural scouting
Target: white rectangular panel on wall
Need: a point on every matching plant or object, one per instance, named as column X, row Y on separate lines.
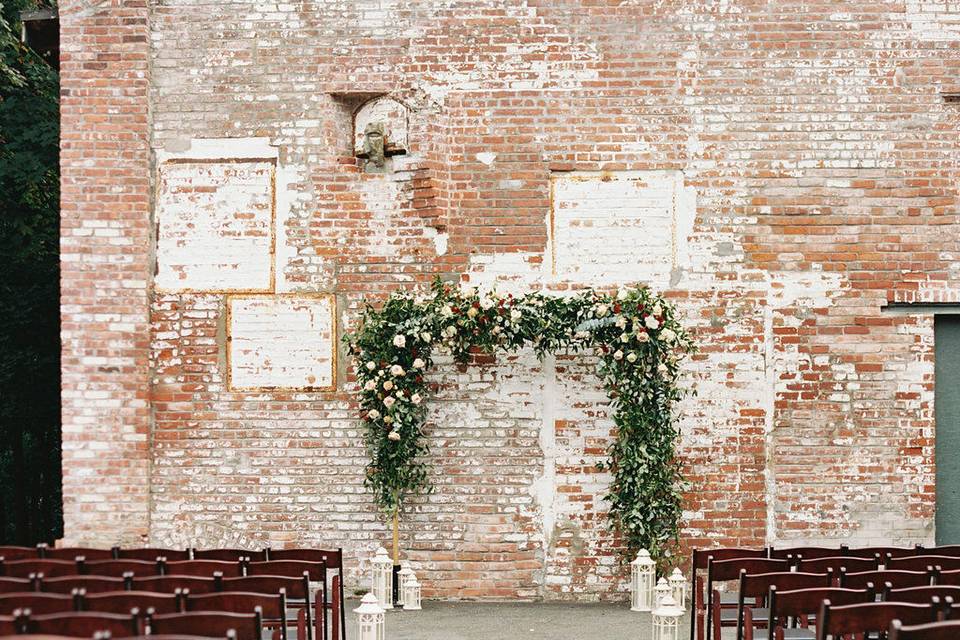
column 216, row 225
column 281, row 342
column 618, row 227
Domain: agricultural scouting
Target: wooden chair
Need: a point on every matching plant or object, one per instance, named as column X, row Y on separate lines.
column 316, row 571
column 11, row 552
column 151, row 554
column 948, row 577
column 90, row 584
column 295, row 589
column 808, row 553
column 944, row 630
column 24, row 568
column 9, row 624
column 207, row 623
column 836, row 563
column 920, row 595
column 757, row 586
column 170, row 584
column 83, row 623
column 837, row 621
column 230, row 555
column 273, row 607
column 122, row 601
column 801, row 605
column 71, row 553
column 896, row 578
column 884, row 552
column 205, row 568
column 946, row 550
column 17, row 585
column 38, row 603
column 719, row 616
column 333, row 559
column 920, row 563
column 120, row 568
column 698, row 564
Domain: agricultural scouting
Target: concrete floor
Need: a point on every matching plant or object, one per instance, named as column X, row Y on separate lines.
column 515, row 620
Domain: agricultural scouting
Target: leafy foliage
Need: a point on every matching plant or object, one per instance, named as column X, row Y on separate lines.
column 30, row 500
column 640, row 344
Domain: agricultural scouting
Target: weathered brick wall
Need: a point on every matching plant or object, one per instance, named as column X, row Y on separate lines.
column 784, row 169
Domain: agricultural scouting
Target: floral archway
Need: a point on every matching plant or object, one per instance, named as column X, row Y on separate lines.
column 640, row 344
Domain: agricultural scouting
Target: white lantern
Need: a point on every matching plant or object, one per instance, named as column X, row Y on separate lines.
column 411, row 593
column 643, row 571
column 370, row 619
column 666, row 620
column 405, row 571
column 679, row 586
column 381, row 570
column 661, row 591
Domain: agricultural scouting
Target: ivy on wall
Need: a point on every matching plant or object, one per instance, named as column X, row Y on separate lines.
column 635, row 333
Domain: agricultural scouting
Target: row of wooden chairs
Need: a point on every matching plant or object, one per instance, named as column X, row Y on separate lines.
column 242, row 626
column 159, row 567
column 722, row 565
column 149, row 553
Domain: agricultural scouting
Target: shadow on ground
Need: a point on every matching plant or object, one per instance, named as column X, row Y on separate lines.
column 516, row 621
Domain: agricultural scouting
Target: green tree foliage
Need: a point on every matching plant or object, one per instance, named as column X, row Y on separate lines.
column 30, row 493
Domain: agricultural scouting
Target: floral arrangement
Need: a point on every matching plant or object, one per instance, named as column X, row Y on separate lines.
column 640, row 345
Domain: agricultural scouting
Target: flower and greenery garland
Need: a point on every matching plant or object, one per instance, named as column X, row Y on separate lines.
column 635, row 333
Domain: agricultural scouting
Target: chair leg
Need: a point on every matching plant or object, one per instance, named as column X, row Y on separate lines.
column 337, row 605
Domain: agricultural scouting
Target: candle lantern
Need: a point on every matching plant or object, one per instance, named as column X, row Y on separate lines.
column 411, row 593
column 405, row 571
column 661, row 591
column 643, row 571
column 666, row 620
column 381, row 569
column 678, row 585
column 370, row 619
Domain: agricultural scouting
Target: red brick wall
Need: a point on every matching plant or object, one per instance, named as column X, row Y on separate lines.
column 822, row 160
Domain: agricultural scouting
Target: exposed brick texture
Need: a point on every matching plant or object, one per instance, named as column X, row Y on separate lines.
column 813, row 165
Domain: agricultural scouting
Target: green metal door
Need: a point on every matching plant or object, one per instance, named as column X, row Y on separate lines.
column 947, row 333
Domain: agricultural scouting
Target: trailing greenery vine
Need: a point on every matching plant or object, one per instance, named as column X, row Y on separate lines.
column 640, row 344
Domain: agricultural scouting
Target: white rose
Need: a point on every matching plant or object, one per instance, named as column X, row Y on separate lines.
column 618, row 355
column 667, row 335
column 419, row 364
column 425, row 336
column 373, row 414
column 394, row 435
column 624, row 337
column 451, row 331
column 621, row 322
column 396, row 370
column 401, row 395
column 486, row 303
column 468, row 291
column 631, row 357
column 601, row 310
column 622, row 294
column 370, row 385
column 371, row 365
column 662, row 369
column 446, row 311
column 657, row 309
column 416, row 399
column 387, row 385
column 388, row 401
column 472, row 312
column 515, row 315
column 643, row 336
column 399, row 340
column 651, row 322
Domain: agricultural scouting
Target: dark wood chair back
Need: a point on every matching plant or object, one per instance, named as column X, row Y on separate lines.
column 170, row 584
column 11, row 552
column 121, row 568
column 90, row 584
column 204, row 568
column 124, row 601
column 295, row 588
column 725, row 570
column 698, row 563
column 898, row 579
column 836, row 563
column 16, row 585
column 84, row 623
column 8, row 626
column 920, row 595
column 273, row 607
column 49, row 568
column 333, row 559
column 229, row 555
column 807, row 553
column 291, row 568
column 802, row 604
column 757, row 586
column 920, row 563
column 38, row 603
column 946, row 550
column 869, row 617
column 151, row 554
column 207, row 623
column 948, row 577
column 72, row 553
column 944, row 630
column 884, row 552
